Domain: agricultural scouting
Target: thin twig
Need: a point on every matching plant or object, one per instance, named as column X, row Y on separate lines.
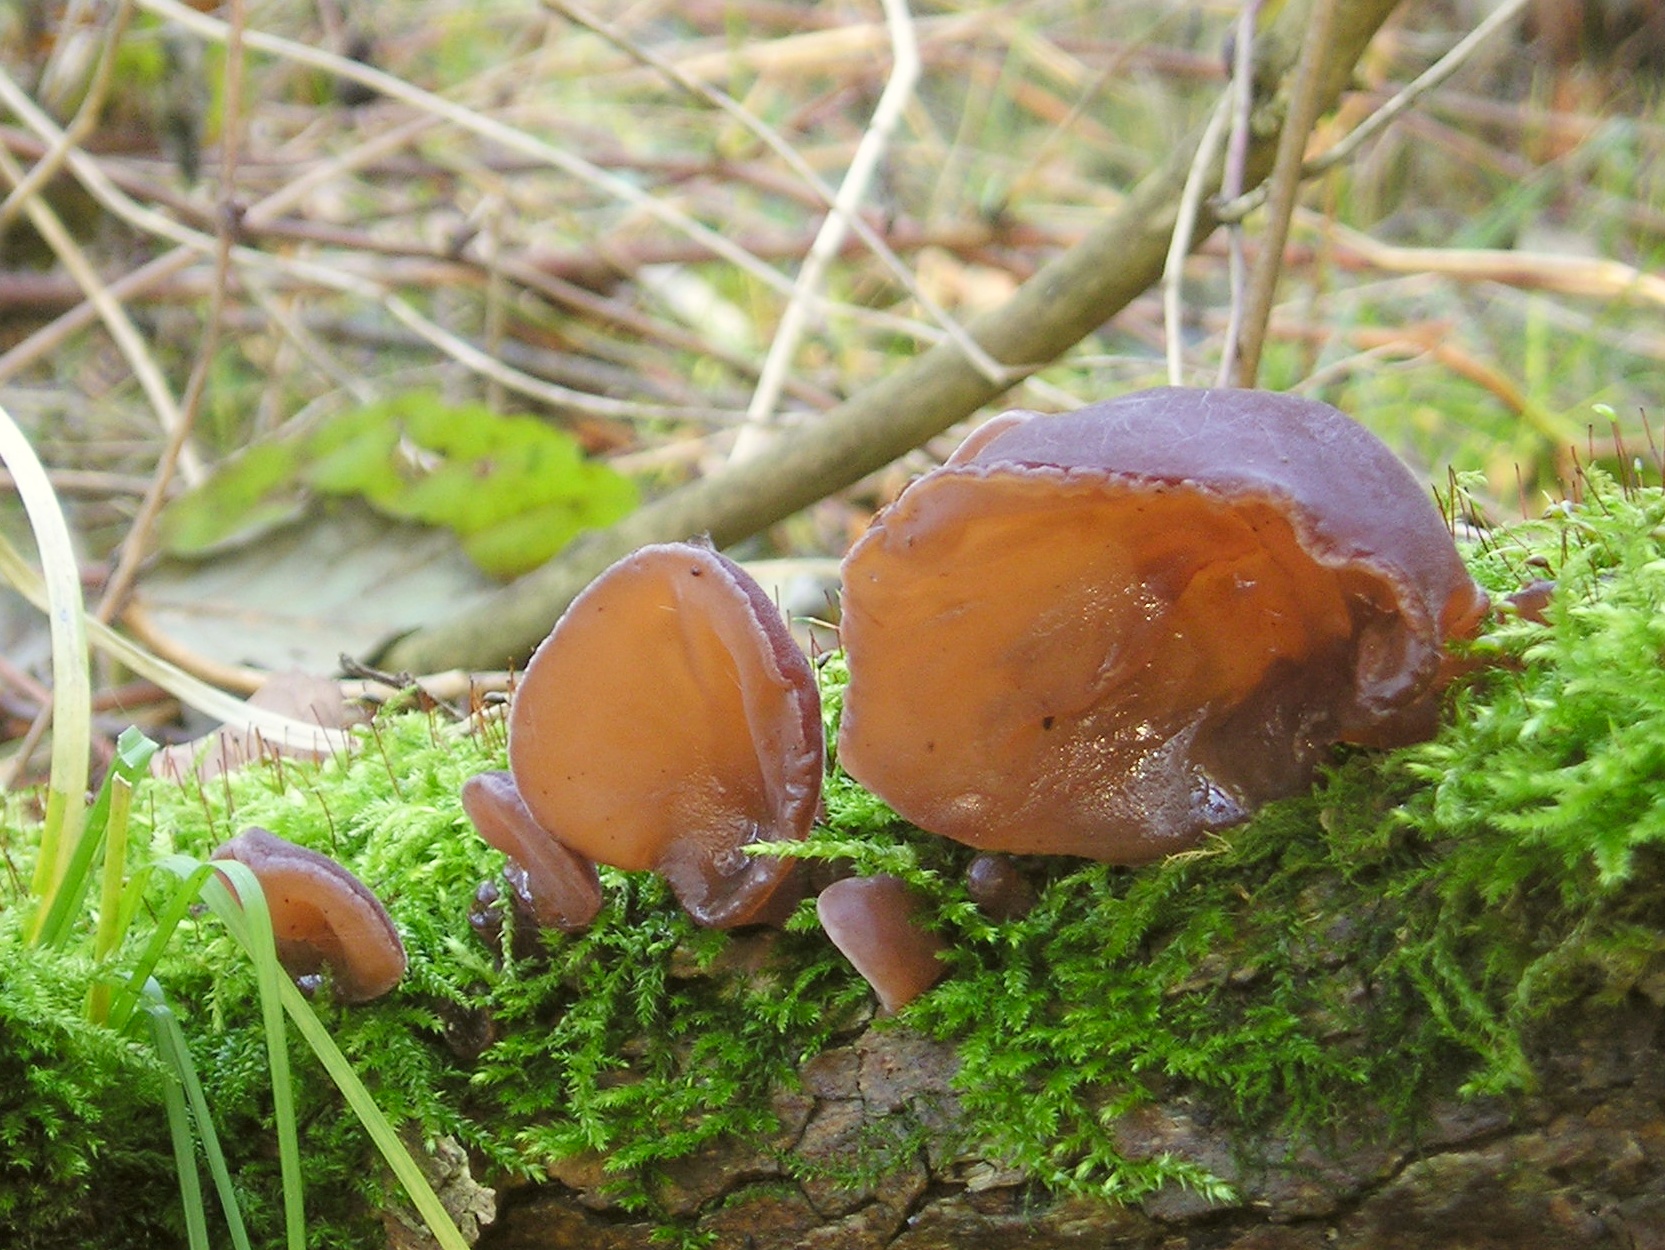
column 1305, row 99
column 904, row 75
column 1231, row 185
column 478, row 123
column 135, row 545
column 772, row 139
column 86, row 117
column 115, row 318
column 1235, row 207
column 335, row 278
column 1593, row 276
column 1424, row 82
column 1179, row 247
column 155, row 272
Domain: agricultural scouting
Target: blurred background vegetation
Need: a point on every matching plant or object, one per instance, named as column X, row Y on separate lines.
column 314, row 218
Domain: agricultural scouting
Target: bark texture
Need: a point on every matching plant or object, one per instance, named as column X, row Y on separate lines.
column 1581, row 1163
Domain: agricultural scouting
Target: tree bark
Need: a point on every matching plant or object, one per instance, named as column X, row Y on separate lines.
column 1072, row 296
column 1581, row 1164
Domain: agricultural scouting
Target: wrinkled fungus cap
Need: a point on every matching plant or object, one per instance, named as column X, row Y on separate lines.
column 561, row 886
column 874, row 922
column 1108, row 632
column 667, row 722
column 322, row 916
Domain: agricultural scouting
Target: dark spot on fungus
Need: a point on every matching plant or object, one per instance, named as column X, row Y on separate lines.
column 1048, row 721
column 322, row 916
column 675, row 733
column 874, row 921
column 1205, row 589
column 561, row 888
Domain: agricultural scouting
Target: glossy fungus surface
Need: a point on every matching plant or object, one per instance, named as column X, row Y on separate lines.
column 1107, row 632
column 874, row 922
column 322, row 916
column 668, row 722
column 560, row 887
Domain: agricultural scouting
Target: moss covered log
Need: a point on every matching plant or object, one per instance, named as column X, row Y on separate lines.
column 1440, row 973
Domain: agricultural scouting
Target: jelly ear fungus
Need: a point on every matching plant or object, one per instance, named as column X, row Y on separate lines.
column 1108, row 632
column 668, row 722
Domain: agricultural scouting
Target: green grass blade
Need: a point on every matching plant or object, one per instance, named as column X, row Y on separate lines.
column 381, row 1132
column 71, row 682
column 171, row 1049
column 193, row 872
column 171, row 1043
column 108, row 934
column 245, row 914
column 131, row 762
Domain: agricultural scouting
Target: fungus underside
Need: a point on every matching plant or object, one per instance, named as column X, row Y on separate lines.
column 1474, row 885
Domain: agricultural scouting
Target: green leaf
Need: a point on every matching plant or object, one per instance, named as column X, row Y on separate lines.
column 355, row 454
column 514, row 488
column 524, row 541
column 250, row 494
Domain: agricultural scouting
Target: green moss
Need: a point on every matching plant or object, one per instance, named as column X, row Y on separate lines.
column 74, row 1102
column 1395, row 934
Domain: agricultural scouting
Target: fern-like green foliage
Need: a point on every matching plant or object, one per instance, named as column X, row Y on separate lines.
column 1397, row 932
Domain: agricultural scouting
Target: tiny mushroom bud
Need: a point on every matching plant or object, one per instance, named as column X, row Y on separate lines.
column 562, row 887
column 668, row 722
column 874, row 921
column 1531, row 602
column 1108, row 632
column 322, row 916
column 1000, row 891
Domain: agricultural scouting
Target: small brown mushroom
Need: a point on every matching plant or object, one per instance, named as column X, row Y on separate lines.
column 1108, row 632
column 1531, row 602
column 668, row 722
column 322, row 916
column 874, row 921
column 562, row 887
column 1000, row 891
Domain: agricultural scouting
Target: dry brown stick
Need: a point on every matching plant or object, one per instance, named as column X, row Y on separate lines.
column 80, row 126
column 135, row 546
column 1305, row 104
column 1065, row 301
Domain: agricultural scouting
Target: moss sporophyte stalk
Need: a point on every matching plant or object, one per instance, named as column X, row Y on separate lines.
column 1397, row 933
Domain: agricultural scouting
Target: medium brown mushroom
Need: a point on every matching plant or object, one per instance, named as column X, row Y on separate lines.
column 1108, row 632
column 668, row 722
column 322, row 916
column 874, row 921
column 561, row 886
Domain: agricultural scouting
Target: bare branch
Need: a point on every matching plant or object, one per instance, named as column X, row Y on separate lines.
column 1067, row 300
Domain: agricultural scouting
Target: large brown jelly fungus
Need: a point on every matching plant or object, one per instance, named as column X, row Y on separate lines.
column 874, row 921
column 562, row 887
column 322, row 916
column 1109, row 632
column 668, row 722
